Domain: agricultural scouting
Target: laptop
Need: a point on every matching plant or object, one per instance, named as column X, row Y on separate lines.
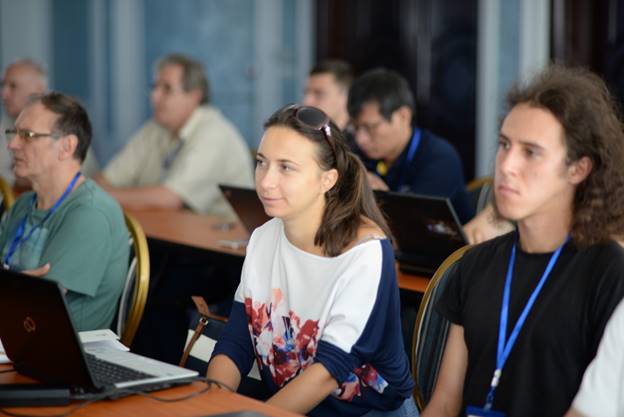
column 246, row 205
column 39, row 337
column 425, row 228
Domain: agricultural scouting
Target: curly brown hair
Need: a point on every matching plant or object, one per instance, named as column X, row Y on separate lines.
column 583, row 105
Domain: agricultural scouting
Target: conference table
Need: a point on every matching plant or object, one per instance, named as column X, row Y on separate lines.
column 214, row 401
column 212, row 234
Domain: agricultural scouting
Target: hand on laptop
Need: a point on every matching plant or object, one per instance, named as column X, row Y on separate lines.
column 485, row 226
column 38, row 272
column 375, row 182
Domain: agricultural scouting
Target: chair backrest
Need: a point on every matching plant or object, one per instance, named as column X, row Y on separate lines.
column 8, row 198
column 431, row 331
column 134, row 295
column 202, row 348
column 479, row 192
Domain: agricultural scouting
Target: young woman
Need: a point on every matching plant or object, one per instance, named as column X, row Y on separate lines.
column 318, row 302
column 528, row 309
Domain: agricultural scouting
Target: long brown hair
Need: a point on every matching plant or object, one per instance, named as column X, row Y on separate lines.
column 350, row 200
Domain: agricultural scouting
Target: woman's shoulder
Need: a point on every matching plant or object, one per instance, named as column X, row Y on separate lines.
column 367, row 231
column 269, row 231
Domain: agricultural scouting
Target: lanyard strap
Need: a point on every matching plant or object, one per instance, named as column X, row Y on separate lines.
column 382, row 168
column 505, row 345
column 171, row 156
column 19, row 237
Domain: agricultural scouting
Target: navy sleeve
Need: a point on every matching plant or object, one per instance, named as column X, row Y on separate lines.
column 381, row 341
column 235, row 341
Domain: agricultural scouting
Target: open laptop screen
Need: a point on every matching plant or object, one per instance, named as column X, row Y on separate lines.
column 246, row 205
column 37, row 333
column 426, row 229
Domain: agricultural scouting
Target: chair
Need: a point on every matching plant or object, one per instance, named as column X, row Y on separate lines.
column 202, row 347
column 134, row 295
column 479, row 192
column 431, row 331
column 8, row 198
column 201, row 350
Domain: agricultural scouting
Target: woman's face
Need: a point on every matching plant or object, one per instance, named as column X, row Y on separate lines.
column 289, row 181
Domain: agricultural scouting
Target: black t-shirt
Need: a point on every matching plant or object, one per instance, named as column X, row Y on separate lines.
column 560, row 335
column 435, row 169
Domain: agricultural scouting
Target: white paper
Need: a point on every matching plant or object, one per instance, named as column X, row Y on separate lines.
column 103, row 338
column 3, row 357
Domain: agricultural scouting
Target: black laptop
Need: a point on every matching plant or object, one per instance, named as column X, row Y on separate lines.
column 246, row 205
column 426, row 230
column 39, row 337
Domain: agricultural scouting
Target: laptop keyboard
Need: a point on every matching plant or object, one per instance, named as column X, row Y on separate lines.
column 107, row 373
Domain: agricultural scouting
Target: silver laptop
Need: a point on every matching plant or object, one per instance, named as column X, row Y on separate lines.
column 39, row 337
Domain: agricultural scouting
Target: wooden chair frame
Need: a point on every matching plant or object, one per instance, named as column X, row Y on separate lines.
column 422, row 310
column 140, row 267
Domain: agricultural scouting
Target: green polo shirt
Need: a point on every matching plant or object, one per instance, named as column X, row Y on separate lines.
column 86, row 244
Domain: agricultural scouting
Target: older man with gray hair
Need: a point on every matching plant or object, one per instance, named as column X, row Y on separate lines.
column 177, row 159
column 23, row 79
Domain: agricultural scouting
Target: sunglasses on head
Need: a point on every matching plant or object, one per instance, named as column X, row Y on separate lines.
column 315, row 119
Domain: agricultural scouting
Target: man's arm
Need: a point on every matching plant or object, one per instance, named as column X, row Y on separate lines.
column 447, row 396
column 156, row 196
column 375, row 182
column 573, row 413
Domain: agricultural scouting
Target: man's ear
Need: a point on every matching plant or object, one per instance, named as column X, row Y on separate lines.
column 404, row 114
column 68, row 146
column 196, row 93
column 329, row 179
column 579, row 170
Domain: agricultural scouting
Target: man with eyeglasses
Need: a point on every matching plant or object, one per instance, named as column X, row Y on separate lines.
column 67, row 229
column 400, row 156
column 22, row 79
column 178, row 159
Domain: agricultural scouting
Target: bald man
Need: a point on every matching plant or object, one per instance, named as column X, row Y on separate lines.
column 22, row 79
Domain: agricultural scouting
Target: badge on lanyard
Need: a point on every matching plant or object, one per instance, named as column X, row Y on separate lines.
column 482, row 412
column 504, row 344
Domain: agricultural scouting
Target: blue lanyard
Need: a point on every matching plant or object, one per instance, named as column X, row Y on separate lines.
column 171, row 156
column 19, row 237
column 505, row 346
column 410, row 156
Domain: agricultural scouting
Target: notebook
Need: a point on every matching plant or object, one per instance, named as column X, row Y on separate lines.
column 40, row 339
column 426, row 230
column 246, row 205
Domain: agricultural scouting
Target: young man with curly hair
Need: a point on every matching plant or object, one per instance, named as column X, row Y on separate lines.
column 528, row 309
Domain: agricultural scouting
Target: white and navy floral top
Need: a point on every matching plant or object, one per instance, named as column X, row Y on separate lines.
column 293, row 309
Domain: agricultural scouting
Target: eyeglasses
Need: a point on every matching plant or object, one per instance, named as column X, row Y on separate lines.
column 315, row 119
column 28, row 134
column 369, row 128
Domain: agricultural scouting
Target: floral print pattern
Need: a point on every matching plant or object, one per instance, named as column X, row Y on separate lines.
column 287, row 346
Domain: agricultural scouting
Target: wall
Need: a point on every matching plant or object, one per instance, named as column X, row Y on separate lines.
column 103, row 51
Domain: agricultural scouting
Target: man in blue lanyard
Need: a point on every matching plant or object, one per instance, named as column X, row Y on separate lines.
column 67, row 229
column 398, row 155
column 528, row 309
